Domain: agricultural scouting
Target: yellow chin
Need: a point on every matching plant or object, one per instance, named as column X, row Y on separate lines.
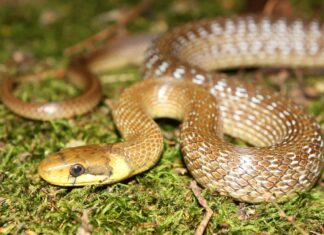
column 87, row 179
column 120, row 171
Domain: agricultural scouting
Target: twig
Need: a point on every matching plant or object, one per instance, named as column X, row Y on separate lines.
column 59, row 73
column 290, row 219
column 109, row 31
column 202, row 201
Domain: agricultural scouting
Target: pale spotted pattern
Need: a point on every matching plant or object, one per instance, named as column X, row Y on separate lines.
column 287, row 158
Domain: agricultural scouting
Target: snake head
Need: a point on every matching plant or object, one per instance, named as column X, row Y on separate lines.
column 84, row 165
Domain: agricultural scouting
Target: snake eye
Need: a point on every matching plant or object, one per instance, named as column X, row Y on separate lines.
column 76, row 170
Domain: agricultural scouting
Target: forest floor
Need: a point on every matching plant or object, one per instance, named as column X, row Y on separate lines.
column 33, row 36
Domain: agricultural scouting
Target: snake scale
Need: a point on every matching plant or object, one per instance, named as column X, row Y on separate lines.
column 288, row 146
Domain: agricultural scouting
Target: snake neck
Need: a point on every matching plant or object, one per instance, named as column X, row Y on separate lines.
column 134, row 114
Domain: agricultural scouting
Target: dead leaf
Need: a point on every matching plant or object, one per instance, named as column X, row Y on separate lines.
column 2, row 145
column 75, row 143
column 19, row 57
column 245, row 213
column 7, row 228
column 180, row 170
column 30, row 232
column 2, row 200
column 23, row 156
column 297, row 95
column 319, row 86
column 110, row 104
column 113, row 15
column 278, row 8
column 49, row 17
column 85, row 227
column 310, row 92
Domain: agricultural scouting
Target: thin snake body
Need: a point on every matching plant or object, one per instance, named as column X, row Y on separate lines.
column 287, row 157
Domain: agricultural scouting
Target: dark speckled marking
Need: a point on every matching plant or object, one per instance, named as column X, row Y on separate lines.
column 100, row 170
column 61, row 156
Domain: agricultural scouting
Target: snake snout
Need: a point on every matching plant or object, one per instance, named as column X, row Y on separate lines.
column 84, row 165
column 54, row 169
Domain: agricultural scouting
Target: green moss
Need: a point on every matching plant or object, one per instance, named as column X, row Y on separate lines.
column 158, row 201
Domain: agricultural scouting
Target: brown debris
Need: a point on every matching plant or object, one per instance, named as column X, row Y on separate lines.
column 75, row 143
column 49, row 17
column 113, row 15
column 29, row 232
column 85, row 227
column 301, row 92
column 2, row 145
column 23, row 156
column 290, row 219
column 110, row 104
column 278, row 8
column 244, row 213
column 113, row 78
column 297, row 95
column 202, row 201
column 307, row 91
column 2, row 200
column 109, row 31
column 180, row 170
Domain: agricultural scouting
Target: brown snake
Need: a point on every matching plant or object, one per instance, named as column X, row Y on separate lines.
column 287, row 157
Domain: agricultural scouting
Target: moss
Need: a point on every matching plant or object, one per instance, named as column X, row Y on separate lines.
column 158, row 201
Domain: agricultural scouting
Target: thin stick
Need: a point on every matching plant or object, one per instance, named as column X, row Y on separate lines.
column 109, row 31
column 202, row 201
column 290, row 219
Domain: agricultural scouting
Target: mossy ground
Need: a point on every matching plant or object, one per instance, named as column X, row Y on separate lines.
column 156, row 202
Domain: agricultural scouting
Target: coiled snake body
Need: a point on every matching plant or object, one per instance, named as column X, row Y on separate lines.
column 287, row 157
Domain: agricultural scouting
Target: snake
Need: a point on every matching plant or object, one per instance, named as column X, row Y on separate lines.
column 182, row 80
